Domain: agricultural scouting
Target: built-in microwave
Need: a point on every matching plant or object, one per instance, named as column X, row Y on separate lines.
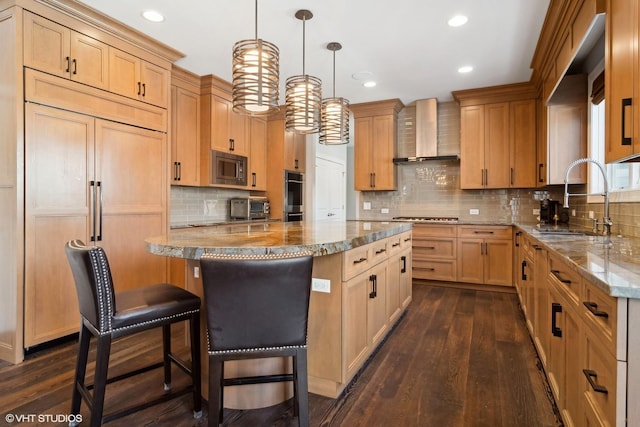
column 228, row 169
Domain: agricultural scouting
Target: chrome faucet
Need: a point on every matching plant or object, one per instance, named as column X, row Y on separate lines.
column 606, row 221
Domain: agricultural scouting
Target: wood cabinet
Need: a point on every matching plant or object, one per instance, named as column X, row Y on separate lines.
column 58, row 50
column 375, row 134
column 498, row 139
column 485, row 255
column 258, row 157
column 136, row 78
column 76, row 191
column 229, row 130
column 399, row 292
column 435, row 252
column 185, row 128
column 525, row 277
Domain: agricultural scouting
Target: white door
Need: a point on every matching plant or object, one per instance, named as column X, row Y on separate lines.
column 330, row 188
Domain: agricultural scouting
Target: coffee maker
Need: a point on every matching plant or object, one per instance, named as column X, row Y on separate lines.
column 551, row 212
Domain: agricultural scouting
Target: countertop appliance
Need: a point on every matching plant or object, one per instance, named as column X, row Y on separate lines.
column 552, row 212
column 249, row 208
column 228, row 169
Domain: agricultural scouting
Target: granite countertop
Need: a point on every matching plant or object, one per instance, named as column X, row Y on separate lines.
column 613, row 267
column 321, row 238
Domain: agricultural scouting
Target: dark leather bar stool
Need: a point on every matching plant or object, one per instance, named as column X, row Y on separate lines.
column 108, row 315
column 257, row 307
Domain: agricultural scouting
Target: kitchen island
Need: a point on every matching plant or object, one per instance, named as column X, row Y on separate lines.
column 347, row 321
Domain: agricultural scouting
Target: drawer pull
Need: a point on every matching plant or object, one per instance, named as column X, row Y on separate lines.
column 593, row 308
column 425, row 268
column 555, row 309
column 358, row 261
column 380, row 251
column 408, row 239
column 483, row 232
column 556, row 273
column 395, row 244
column 592, row 376
column 428, row 247
column 536, row 247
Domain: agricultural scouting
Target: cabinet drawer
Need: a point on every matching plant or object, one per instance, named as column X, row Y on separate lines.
column 434, row 269
column 601, row 312
column 485, row 231
column 565, row 278
column 355, row 261
column 433, row 230
column 434, row 249
column 600, row 378
column 379, row 251
column 394, row 243
column 406, row 239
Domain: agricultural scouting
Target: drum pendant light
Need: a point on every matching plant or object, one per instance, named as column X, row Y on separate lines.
column 334, row 123
column 256, row 79
column 303, row 94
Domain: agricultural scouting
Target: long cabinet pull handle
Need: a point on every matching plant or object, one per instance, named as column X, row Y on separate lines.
column 175, row 171
column 482, row 176
column 540, row 166
column 511, row 176
column 483, row 232
column 99, row 188
column 358, row 261
column 555, row 309
column 68, row 59
column 425, row 268
column 626, row 102
column 92, row 195
column 556, row 273
column 254, row 179
column 517, row 244
column 75, row 66
column 139, row 88
column 592, row 377
column 232, row 144
column 593, row 308
column 179, row 171
column 524, row 266
column 404, row 264
column 374, row 286
column 144, row 89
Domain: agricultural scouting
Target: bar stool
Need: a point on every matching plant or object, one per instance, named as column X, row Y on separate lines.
column 108, row 315
column 257, row 307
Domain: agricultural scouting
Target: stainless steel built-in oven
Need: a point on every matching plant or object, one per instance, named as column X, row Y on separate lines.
column 293, row 195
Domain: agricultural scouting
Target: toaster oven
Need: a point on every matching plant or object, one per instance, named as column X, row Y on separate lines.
column 249, row 208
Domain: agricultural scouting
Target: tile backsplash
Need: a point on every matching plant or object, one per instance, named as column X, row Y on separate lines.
column 201, row 205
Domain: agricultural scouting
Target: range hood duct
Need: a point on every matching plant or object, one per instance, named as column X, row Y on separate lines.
column 426, row 126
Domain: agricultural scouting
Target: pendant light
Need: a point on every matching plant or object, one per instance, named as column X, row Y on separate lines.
column 334, row 123
column 303, row 94
column 256, row 80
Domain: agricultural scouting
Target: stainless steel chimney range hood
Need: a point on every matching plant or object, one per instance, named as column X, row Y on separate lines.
column 426, row 143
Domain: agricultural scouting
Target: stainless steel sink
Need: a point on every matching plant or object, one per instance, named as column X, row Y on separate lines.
column 566, row 232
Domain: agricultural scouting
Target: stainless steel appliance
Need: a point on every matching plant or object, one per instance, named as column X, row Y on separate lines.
column 249, row 208
column 228, row 169
column 293, row 195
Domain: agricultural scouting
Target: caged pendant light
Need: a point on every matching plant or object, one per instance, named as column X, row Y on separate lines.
column 334, row 120
column 303, row 94
column 256, row 80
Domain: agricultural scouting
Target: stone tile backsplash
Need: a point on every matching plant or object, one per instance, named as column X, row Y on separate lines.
column 201, row 205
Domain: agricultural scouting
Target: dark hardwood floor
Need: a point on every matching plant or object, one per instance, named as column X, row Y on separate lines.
column 459, row 357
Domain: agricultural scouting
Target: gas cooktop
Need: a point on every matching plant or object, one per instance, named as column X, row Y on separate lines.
column 426, row 218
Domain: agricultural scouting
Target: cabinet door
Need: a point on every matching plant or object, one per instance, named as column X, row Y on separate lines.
column 377, row 320
column 498, row 258
column 239, row 132
column 542, row 324
column 134, row 203
column 363, row 153
column 394, row 279
column 89, row 61
column 496, row 145
column 155, row 84
column 355, row 293
column 406, row 266
column 185, row 137
column 294, row 151
column 228, row 130
column 124, row 73
column 523, row 147
column 384, row 136
column 258, row 158
column 567, row 142
column 471, row 260
column 59, row 152
column 472, row 147
column 621, row 58
column 47, row 45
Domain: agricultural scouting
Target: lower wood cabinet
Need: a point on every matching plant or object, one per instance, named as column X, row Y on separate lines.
column 434, row 252
column 485, row 255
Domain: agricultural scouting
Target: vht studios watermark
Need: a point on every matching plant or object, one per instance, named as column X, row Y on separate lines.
column 43, row 418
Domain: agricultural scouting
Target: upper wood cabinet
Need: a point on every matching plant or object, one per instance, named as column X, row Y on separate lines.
column 185, row 128
column 622, row 67
column 258, row 158
column 135, row 78
column 295, row 151
column 375, row 135
column 57, row 50
column 498, row 131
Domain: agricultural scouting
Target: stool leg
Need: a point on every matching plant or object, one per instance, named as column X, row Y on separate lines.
column 81, row 370
column 100, row 379
column 216, row 372
column 196, row 372
column 166, row 351
column 301, row 386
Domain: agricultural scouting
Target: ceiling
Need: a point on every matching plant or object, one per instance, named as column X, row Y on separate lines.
column 406, row 45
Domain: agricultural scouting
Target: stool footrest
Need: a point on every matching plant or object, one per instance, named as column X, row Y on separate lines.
column 164, row 398
column 261, row 379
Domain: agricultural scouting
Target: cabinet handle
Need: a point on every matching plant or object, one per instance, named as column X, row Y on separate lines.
column 425, row 268
column 358, row 261
column 536, row 247
column 592, row 376
column 295, row 163
column 175, row 171
column 483, row 232
column 395, row 244
column 253, row 179
column 593, row 308
column 482, row 176
column 626, row 102
column 68, row 59
column 428, row 247
column 179, row 171
column 139, row 88
column 540, row 166
column 404, row 264
column 517, row 244
column 408, row 239
column 524, row 266
column 144, row 89
column 374, row 179
column 511, row 176
column 486, row 177
column 92, row 195
column 75, row 67
column 374, row 286
column 380, row 251
column 99, row 188
column 232, row 144
column 556, row 273
column 555, row 309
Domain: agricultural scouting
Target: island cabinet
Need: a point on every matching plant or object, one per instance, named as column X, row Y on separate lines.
column 185, row 128
column 525, row 276
column 485, row 254
column 375, row 134
column 435, row 252
column 399, row 285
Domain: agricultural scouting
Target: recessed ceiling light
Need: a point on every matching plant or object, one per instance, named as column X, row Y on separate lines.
column 369, row 83
column 362, row 75
column 457, row 21
column 465, row 69
column 153, row 16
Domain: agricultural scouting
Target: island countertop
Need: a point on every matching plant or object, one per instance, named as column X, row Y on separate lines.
column 320, row 238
